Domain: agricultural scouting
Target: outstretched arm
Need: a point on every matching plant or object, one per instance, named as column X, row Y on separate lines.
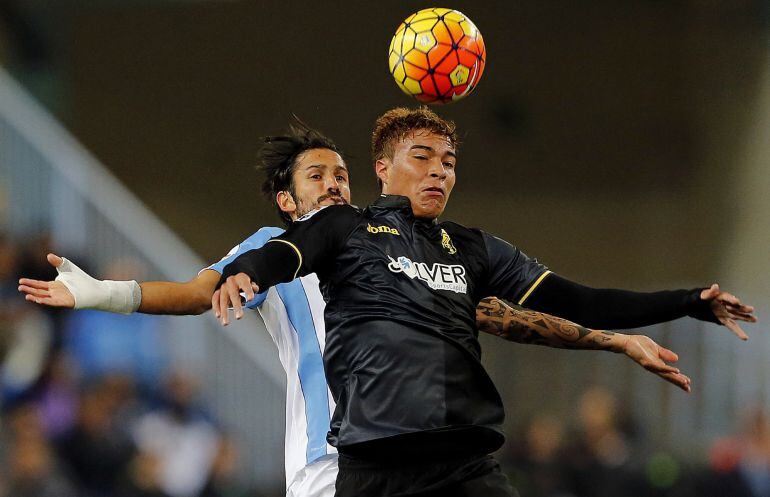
column 495, row 317
column 308, row 246
column 516, row 277
column 76, row 289
column 609, row 308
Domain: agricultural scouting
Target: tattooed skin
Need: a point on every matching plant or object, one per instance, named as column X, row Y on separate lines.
column 496, row 317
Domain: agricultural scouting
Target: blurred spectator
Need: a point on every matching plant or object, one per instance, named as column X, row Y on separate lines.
column 32, row 471
column 97, row 450
column 538, row 461
column 740, row 466
column 29, row 465
column 10, row 304
column 102, row 343
column 754, row 465
column 599, row 459
column 26, row 333
column 223, row 481
column 182, row 439
column 143, row 478
column 59, row 396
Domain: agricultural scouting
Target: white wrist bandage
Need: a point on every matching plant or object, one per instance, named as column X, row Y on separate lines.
column 122, row 297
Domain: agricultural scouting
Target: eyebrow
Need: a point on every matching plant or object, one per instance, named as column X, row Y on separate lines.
column 321, row 166
column 430, row 149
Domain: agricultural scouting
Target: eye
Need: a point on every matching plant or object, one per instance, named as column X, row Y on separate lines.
column 420, row 157
column 341, row 178
column 449, row 165
column 315, row 176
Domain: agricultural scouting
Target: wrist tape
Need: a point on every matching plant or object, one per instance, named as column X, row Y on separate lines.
column 122, row 297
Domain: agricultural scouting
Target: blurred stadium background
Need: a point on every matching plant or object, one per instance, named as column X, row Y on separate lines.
column 624, row 143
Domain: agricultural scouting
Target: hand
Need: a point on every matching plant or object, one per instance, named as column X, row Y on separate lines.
column 644, row 351
column 728, row 309
column 229, row 295
column 50, row 293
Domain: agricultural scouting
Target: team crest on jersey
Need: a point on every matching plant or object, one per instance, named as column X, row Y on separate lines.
column 446, row 242
column 382, row 229
column 438, row 276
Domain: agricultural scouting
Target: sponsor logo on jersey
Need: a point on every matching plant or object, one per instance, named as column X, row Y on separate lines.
column 446, row 242
column 382, row 229
column 438, row 276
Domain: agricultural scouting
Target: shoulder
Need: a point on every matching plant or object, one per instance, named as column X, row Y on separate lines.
column 253, row 242
column 461, row 232
column 257, row 239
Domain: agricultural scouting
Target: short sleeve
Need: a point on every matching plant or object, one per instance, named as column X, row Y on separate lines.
column 512, row 275
column 255, row 241
column 318, row 236
column 308, row 246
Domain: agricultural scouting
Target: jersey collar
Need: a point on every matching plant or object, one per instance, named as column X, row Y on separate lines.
column 400, row 204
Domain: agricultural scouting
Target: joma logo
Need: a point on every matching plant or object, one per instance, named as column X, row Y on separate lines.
column 382, row 229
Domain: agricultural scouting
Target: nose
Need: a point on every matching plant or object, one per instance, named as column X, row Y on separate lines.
column 437, row 169
column 332, row 184
column 333, row 187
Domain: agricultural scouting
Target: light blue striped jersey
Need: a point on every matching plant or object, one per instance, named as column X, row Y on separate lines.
column 294, row 316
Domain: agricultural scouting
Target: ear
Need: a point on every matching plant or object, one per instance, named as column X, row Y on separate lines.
column 286, row 202
column 382, row 170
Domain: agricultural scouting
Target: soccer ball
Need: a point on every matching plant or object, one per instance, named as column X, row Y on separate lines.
column 437, row 56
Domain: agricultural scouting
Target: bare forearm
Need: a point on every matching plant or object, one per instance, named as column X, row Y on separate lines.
column 166, row 297
column 495, row 317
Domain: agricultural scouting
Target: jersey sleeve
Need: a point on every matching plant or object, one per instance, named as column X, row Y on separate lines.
column 255, row 241
column 512, row 275
column 308, row 246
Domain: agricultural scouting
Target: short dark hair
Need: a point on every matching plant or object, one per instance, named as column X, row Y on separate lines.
column 396, row 123
column 278, row 155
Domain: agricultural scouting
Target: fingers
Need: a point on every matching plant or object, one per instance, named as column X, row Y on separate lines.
column 54, row 260
column 41, row 300
column 37, row 284
column 734, row 328
column 659, row 367
column 215, row 304
column 728, row 298
column 678, row 379
column 223, row 306
column 246, row 286
column 32, row 291
column 710, row 293
column 229, row 296
column 749, row 318
column 234, row 287
column 667, row 355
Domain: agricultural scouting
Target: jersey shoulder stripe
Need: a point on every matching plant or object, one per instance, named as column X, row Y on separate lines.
column 255, row 241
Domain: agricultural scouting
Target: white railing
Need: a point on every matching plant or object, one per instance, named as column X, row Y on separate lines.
column 52, row 184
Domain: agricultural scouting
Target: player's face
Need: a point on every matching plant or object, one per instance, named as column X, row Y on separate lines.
column 423, row 169
column 320, row 178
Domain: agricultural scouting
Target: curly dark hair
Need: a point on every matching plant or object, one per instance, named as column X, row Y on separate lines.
column 396, row 123
column 278, row 155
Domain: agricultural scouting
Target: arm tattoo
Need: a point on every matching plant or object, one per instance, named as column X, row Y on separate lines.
column 496, row 317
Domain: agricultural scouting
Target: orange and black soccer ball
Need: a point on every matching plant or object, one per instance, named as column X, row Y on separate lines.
column 437, row 56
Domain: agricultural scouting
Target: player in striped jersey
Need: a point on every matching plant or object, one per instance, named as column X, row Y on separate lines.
column 305, row 171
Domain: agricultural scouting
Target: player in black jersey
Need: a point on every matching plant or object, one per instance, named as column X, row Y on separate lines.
column 416, row 412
